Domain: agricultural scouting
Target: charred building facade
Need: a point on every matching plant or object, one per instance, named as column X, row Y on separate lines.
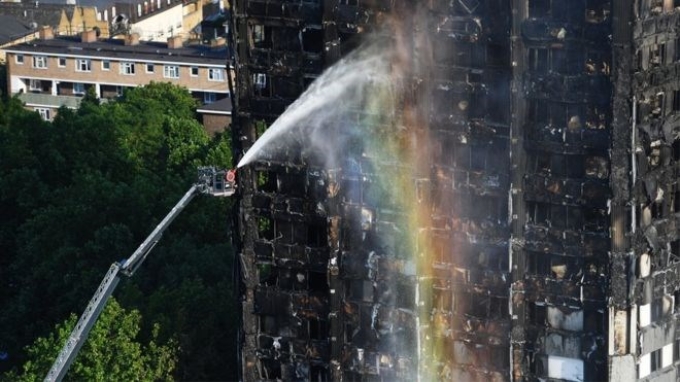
column 533, row 233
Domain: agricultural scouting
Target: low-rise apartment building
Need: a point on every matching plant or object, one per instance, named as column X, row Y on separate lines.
column 56, row 71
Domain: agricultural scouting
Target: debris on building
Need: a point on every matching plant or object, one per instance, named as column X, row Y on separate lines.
column 548, row 249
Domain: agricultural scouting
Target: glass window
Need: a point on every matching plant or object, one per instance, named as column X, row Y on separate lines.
column 258, row 36
column 171, row 71
column 149, row 68
column 83, row 65
column 260, row 80
column 62, row 62
column 106, row 65
column 194, row 71
column 78, row 88
column 209, row 97
column 40, row 62
column 216, row 75
column 34, row 85
column 44, row 113
column 19, row 58
column 127, row 68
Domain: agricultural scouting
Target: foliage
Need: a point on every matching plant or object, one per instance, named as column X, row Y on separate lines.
column 84, row 191
column 111, row 352
column 3, row 82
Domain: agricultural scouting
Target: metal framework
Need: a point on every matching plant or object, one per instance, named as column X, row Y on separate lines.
column 211, row 181
column 551, row 182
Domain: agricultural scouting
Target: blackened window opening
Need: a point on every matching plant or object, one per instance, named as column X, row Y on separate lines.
column 539, row 8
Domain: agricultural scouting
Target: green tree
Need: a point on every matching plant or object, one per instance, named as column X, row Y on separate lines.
column 83, row 191
column 3, row 82
column 111, row 352
column 160, row 127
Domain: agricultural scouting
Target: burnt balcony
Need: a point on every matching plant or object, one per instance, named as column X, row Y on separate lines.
column 279, row 62
column 549, row 31
column 598, row 33
column 548, row 189
column 482, row 183
column 563, row 139
column 355, row 18
column 568, row 88
column 285, row 63
column 570, row 242
column 460, row 29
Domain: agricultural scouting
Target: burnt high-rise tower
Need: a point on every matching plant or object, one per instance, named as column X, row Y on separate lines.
column 527, row 230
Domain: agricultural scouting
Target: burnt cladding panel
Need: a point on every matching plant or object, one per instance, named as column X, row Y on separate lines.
column 622, row 14
column 651, row 257
column 566, row 129
column 565, row 132
column 469, row 118
column 283, row 232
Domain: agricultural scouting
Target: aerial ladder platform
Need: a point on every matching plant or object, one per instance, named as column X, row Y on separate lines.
column 210, row 181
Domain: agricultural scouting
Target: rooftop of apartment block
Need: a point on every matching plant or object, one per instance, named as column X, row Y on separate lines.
column 121, row 48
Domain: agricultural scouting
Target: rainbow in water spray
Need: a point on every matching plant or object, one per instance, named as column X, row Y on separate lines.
column 364, row 114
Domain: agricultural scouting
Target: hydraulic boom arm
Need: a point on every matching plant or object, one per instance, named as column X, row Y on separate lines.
column 211, row 181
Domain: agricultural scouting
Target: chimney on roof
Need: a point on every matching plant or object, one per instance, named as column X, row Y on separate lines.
column 89, row 35
column 174, row 42
column 132, row 39
column 46, row 33
column 218, row 42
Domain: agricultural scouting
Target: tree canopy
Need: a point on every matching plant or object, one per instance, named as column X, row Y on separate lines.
column 83, row 191
column 110, row 354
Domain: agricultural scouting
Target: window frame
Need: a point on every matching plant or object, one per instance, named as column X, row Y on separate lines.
column 127, row 68
column 171, row 71
column 83, row 65
column 194, row 71
column 213, row 77
column 209, row 97
column 655, row 360
column 32, row 85
column 539, row 8
column 260, row 80
column 19, row 59
column 61, row 62
column 148, row 66
column 78, row 85
column 257, row 34
column 39, row 62
column 106, row 65
column 43, row 112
